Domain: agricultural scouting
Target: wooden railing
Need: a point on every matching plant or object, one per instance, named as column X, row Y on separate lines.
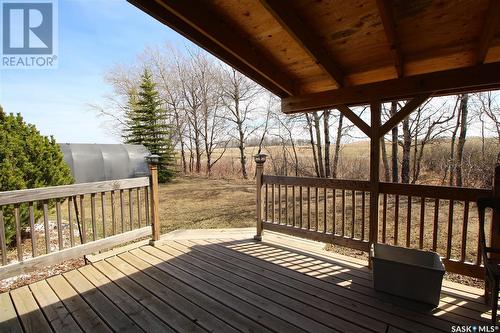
column 65, row 222
column 329, row 210
column 437, row 218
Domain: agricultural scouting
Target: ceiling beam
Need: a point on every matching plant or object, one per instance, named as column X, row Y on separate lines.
column 490, row 25
column 221, row 40
column 305, row 37
column 387, row 17
column 460, row 80
column 405, row 111
column 355, row 119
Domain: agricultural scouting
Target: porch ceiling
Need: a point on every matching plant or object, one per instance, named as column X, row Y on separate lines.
column 308, row 49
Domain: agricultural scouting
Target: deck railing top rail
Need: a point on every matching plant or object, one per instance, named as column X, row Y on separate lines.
column 341, row 184
column 54, row 192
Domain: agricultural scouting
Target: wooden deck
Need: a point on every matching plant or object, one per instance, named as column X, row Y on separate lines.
column 194, row 282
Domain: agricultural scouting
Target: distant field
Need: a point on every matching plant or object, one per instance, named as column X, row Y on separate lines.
column 354, row 161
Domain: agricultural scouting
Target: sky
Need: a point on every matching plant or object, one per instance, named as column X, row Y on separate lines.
column 93, row 36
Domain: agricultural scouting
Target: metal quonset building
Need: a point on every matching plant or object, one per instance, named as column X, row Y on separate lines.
column 98, row 162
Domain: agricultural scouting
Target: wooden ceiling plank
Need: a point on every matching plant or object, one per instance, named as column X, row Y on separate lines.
column 387, row 17
column 355, row 119
column 490, row 24
column 467, row 79
column 158, row 12
column 305, row 37
column 405, row 111
column 202, row 18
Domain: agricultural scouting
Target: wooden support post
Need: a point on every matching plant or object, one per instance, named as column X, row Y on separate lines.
column 374, row 171
column 153, row 181
column 260, row 159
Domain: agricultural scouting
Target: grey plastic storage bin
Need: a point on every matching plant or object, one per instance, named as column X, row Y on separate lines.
column 408, row 273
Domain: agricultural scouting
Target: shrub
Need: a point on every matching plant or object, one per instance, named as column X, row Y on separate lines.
column 27, row 160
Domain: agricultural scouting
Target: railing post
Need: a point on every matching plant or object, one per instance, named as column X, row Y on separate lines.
column 495, row 225
column 260, row 159
column 153, row 181
column 374, row 173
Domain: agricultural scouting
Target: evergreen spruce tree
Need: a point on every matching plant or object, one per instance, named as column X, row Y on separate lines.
column 132, row 132
column 147, row 125
column 27, row 160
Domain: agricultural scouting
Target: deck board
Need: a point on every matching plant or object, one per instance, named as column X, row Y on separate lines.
column 55, row 311
column 233, row 284
column 30, row 315
column 10, row 321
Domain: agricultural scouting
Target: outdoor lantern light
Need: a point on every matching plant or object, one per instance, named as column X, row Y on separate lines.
column 153, row 159
column 260, row 158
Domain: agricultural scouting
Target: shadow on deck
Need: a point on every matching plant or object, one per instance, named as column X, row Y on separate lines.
column 227, row 285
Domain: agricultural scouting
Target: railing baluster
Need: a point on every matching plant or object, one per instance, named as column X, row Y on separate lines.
column 131, row 209
column 464, row 231
column 266, row 211
column 343, row 213
column 46, row 226
column 103, row 212
column 294, row 215
column 92, row 216
column 325, row 206
column 59, row 224
column 479, row 256
column 363, row 206
column 3, row 243
column 301, row 208
column 422, row 223
column 113, row 212
column 279, row 204
column 122, row 211
column 353, row 199
column 396, row 219
column 286, row 204
column 19, row 243
column 384, row 217
column 316, row 209
column 334, row 213
column 308, row 208
column 139, row 210
column 408, row 223
column 34, row 247
column 435, row 227
column 450, row 229
column 146, row 203
column 82, row 218
column 272, row 203
column 71, row 230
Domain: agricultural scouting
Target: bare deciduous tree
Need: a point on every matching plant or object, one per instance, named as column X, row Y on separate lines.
column 239, row 95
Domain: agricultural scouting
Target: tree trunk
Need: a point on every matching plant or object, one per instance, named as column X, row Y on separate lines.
column 337, row 146
column 319, row 149
column 394, row 147
column 385, row 161
column 181, row 141
column 405, row 163
column 461, row 138
column 452, row 163
column 326, row 129
column 241, row 147
column 313, row 146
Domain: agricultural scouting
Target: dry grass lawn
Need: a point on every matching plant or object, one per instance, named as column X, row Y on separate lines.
column 197, row 203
